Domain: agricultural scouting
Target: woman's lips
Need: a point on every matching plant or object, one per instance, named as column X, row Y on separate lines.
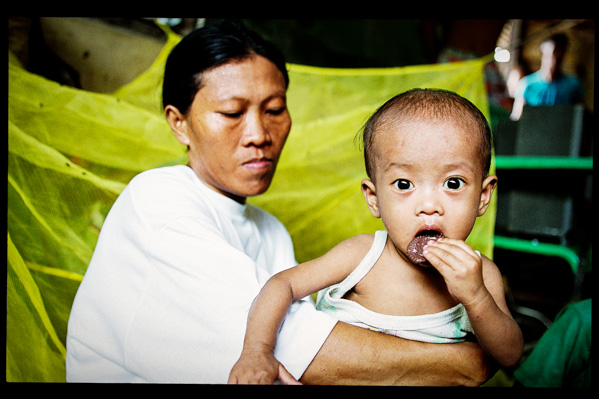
column 258, row 164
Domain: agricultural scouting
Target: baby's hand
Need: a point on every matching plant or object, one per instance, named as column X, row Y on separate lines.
column 461, row 268
column 259, row 368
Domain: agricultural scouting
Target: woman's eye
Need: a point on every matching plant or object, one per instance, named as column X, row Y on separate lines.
column 276, row 111
column 454, row 183
column 231, row 114
column 403, row 185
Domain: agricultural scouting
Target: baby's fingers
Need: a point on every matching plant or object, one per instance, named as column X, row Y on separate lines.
column 252, row 377
column 451, row 253
column 440, row 257
column 459, row 265
column 286, row 378
column 249, row 371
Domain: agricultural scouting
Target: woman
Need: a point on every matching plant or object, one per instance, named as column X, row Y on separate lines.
column 181, row 255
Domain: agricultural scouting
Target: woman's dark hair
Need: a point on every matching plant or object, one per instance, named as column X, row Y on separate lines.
column 206, row 48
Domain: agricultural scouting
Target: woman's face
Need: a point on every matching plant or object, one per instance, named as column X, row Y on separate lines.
column 236, row 127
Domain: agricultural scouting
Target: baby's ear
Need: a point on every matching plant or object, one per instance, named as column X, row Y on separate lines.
column 369, row 191
column 488, row 187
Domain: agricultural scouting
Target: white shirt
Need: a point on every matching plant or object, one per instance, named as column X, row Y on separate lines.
column 167, row 292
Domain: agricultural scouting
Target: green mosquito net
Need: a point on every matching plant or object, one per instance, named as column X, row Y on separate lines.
column 71, row 152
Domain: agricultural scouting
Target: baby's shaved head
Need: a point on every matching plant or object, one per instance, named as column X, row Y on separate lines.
column 428, row 105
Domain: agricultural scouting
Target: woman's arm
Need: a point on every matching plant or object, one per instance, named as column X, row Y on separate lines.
column 357, row 356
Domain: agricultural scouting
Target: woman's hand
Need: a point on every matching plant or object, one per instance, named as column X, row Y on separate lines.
column 255, row 367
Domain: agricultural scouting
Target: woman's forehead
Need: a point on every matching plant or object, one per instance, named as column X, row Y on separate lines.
column 242, row 76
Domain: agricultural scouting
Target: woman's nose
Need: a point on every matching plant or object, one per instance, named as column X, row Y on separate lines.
column 256, row 131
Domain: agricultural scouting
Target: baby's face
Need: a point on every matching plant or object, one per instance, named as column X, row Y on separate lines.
column 428, row 177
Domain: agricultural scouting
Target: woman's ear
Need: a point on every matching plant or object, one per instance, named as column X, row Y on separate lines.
column 488, row 187
column 369, row 191
column 178, row 123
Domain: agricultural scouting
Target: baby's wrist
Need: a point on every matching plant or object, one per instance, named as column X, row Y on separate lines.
column 479, row 301
column 260, row 347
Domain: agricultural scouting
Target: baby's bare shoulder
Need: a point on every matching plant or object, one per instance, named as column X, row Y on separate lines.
column 359, row 243
column 352, row 248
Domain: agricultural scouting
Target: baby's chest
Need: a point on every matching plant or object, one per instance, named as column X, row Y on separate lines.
column 401, row 294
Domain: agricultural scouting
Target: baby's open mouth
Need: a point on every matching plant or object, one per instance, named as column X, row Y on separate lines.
column 417, row 244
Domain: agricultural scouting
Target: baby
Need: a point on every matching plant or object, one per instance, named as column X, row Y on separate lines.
column 427, row 154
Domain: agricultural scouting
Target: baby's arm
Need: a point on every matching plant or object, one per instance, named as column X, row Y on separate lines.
column 477, row 283
column 257, row 363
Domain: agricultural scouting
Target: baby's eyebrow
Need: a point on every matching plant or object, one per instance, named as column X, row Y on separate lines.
column 398, row 165
column 446, row 167
column 460, row 165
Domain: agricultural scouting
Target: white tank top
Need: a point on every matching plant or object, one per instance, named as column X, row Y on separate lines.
column 450, row 325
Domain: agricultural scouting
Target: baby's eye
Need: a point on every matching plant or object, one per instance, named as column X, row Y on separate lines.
column 454, row 183
column 403, row 184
